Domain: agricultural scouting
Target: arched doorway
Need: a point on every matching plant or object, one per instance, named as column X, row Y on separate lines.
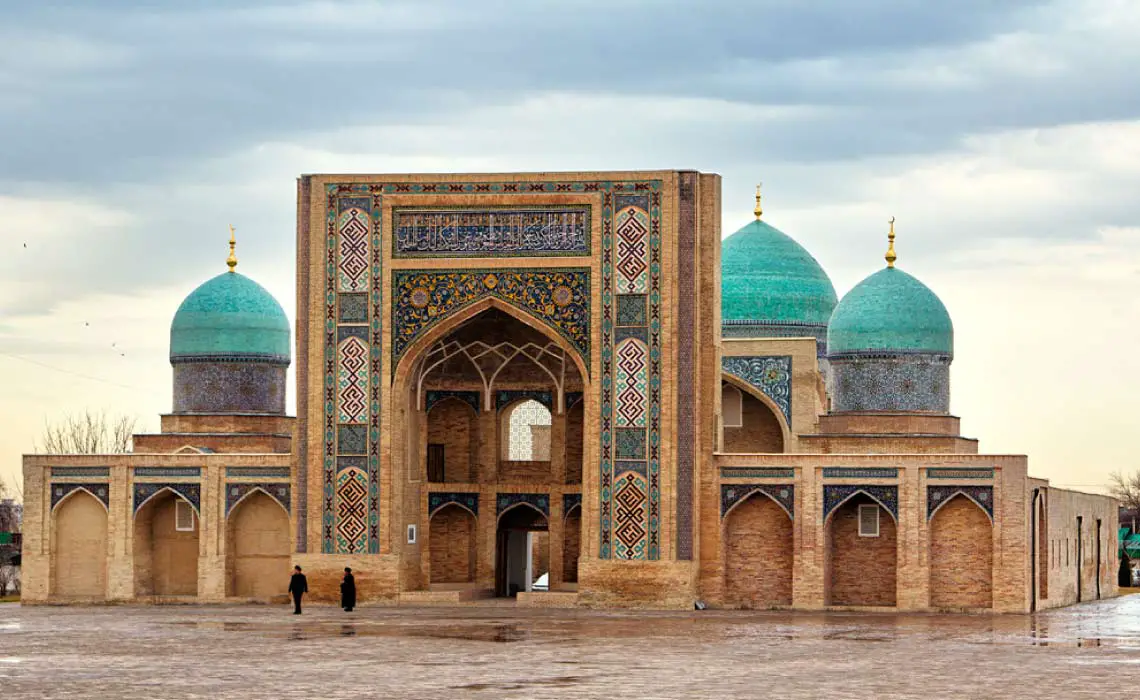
column 758, row 554
column 862, row 554
column 166, row 547
column 79, row 554
column 525, row 436
column 571, row 544
column 257, row 547
column 521, row 542
column 750, row 425
column 451, row 452
column 961, row 555
column 452, row 545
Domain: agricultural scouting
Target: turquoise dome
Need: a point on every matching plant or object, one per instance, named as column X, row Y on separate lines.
column 768, row 279
column 890, row 311
column 230, row 316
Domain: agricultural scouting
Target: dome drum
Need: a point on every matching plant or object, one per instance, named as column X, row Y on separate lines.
column 902, row 382
column 229, row 387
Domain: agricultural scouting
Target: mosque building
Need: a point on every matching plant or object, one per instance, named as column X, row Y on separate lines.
column 563, row 388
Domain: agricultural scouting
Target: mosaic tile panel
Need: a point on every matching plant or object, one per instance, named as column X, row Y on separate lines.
column 301, row 446
column 491, row 232
column 632, row 385
column 275, row 490
column 771, row 374
column 81, row 472
column 229, row 387
column 834, row 496
column 559, row 297
column 860, row 473
column 352, row 512
column 60, row 491
column 169, row 472
column 685, row 339
column 632, row 310
column 784, row 494
column 958, row 473
column 471, row 398
column 508, row 397
column 631, row 513
column 505, row 501
column 630, row 443
column 439, row 499
column 257, row 473
column 352, row 371
column 617, row 198
column 917, row 382
column 757, row 473
column 188, row 491
column 936, row 496
column 571, row 501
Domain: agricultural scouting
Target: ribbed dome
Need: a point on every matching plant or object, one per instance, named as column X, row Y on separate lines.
column 768, row 278
column 230, row 316
column 890, row 311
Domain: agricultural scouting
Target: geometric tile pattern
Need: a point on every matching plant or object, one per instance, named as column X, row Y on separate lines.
column 491, row 232
column 617, row 198
column 275, row 490
column 952, row 473
column 938, row 495
column 191, row 492
column 560, row 297
column 169, row 472
column 757, row 473
column 631, row 513
column 886, row 496
column 632, row 387
column 540, row 501
column 81, row 472
column 571, row 501
column 433, row 396
column 783, row 494
column 100, row 491
column 891, row 382
column 257, row 472
column 351, row 520
column 439, row 499
column 860, row 473
column 352, row 512
column 771, row 374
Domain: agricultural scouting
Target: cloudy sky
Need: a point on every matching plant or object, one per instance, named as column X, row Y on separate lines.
column 1004, row 135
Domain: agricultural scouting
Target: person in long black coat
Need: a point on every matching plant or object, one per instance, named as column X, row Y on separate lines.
column 348, row 591
column 298, row 586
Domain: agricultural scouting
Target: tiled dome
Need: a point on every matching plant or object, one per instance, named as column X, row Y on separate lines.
column 230, row 317
column 890, row 311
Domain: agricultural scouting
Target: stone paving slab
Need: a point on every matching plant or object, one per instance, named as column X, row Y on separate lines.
column 504, row 652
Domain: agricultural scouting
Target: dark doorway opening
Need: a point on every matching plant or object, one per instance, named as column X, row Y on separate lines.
column 1080, row 554
column 435, row 463
column 519, row 545
column 1098, row 559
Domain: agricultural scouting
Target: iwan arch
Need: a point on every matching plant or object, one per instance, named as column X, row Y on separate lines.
column 562, row 387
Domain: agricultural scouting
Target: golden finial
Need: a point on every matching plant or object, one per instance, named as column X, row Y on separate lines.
column 758, row 211
column 891, row 257
column 232, row 260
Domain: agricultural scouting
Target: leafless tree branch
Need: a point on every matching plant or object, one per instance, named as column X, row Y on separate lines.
column 91, row 432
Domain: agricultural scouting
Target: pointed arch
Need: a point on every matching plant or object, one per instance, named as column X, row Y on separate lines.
column 446, row 504
column 257, row 488
column 577, row 507
column 516, row 506
column 749, row 390
column 969, row 497
column 857, row 491
column 77, row 488
column 748, row 496
column 172, row 488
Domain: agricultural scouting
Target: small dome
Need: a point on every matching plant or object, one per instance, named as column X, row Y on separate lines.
column 890, row 311
column 769, row 279
column 230, row 316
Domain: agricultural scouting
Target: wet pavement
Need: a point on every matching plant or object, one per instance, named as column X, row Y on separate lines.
column 497, row 651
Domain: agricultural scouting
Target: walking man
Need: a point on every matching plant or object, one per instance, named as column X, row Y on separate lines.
column 348, row 591
column 298, row 586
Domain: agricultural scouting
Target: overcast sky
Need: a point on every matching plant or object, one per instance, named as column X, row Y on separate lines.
column 1003, row 135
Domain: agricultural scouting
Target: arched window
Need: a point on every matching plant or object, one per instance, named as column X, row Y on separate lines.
column 526, row 432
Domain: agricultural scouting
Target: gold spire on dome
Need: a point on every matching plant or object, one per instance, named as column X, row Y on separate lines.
column 232, row 260
column 890, row 256
column 758, row 211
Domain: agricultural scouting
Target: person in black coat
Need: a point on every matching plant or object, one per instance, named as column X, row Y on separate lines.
column 348, row 591
column 298, row 586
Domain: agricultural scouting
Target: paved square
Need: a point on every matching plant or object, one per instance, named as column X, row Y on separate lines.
column 498, row 651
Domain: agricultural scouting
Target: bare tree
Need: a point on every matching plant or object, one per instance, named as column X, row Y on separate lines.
column 1126, row 489
column 88, row 433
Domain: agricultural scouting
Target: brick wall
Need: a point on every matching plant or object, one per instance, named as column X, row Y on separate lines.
column 862, row 570
column 452, row 545
column 759, row 432
column 758, row 555
column 80, row 557
column 257, row 551
column 519, row 472
column 574, row 444
column 961, row 556
column 451, row 424
column 571, row 548
column 166, row 559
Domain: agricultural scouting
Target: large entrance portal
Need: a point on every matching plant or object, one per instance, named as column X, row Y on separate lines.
column 522, row 551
